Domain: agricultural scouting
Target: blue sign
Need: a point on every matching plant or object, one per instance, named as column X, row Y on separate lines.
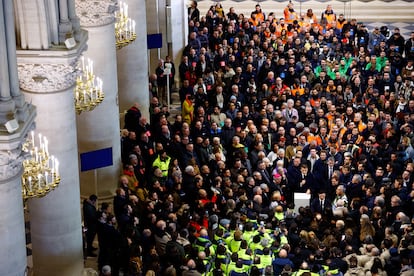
column 154, row 41
column 96, row 159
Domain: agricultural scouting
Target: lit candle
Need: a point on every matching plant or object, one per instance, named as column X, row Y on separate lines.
column 36, row 154
column 129, row 28
column 100, row 85
column 30, row 183
column 39, row 180
column 32, row 133
column 46, row 178
column 57, row 167
column 46, row 146
column 52, row 162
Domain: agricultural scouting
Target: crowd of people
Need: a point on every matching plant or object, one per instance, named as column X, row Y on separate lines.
column 271, row 107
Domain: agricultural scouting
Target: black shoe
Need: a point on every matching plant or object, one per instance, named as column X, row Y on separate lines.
column 91, row 254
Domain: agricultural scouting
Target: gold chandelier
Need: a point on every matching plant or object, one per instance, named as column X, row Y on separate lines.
column 41, row 171
column 88, row 91
column 124, row 27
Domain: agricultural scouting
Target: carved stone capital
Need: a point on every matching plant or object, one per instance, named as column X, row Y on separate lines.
column 46, row 77
column 93, row 13
column 10, row 163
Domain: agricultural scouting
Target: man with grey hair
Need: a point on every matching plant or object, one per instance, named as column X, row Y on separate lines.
column 354, row 189
column 289, row 112
column 340, row 195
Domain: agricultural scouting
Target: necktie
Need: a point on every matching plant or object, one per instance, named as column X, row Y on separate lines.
column 322, row 205
column 330, row 172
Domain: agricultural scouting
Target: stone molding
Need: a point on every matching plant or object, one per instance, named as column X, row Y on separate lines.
column 94, row 13
column 46, row 77
column 10, row 163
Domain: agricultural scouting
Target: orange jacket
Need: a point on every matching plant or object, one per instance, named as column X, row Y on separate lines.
column 290, row 16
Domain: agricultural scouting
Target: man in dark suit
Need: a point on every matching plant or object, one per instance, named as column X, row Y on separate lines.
column 320, row 203
column 90, row 219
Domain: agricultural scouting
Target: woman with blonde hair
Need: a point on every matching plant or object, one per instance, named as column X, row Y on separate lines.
column 367, row 229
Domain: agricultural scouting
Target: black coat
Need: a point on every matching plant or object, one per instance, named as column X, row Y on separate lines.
column 316, row 205
column 90, row 215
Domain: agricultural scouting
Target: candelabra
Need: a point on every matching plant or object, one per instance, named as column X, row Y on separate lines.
column 88, row 91
column 124, row 27
column 41, row 171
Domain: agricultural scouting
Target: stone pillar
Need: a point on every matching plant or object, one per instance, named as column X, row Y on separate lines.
column 12, row 233
column 100, row 128
column 4, row 67
column 132, row 64
column 12, row 229
column 178, row 32
column 156, row 23
column 168, row 17
column 55, row 219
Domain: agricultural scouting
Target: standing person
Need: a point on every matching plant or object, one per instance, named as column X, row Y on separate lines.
column 193, row 12
column 161, row 81
column 290, row 14
column 132, row 118
column 90, row 219
column 330, row 17
column 171, row 76
column 188, row 109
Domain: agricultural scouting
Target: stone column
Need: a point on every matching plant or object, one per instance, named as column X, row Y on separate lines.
column 178, row 30
column 55, row 219
column 12, row 233
column 156, row 23
column 132, row 64
column 74, row 19
column 100, row 129
column 65, row 25
column 12, row 230
column 47, row 79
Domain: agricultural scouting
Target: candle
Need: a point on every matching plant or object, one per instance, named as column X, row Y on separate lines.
column 36, row 154
column 30, row 183
column 46, row 178
column 84, row 96
column 100, row 85
column 91, row 67
column 32, row 133
column 57, row 167
column 53, row 175
column 46, row 144
column 39, row 182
